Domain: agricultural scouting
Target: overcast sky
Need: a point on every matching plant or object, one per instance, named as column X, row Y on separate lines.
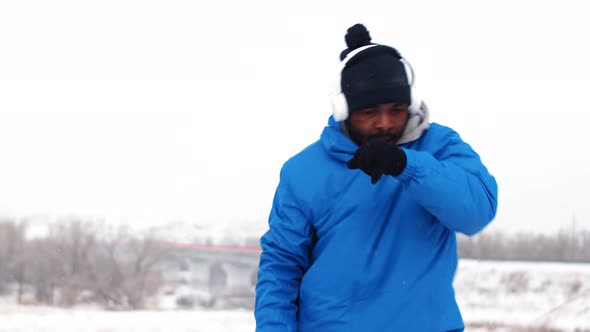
column 154, row 111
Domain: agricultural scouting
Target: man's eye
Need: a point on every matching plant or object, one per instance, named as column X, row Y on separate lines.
column 369, row 112
column 395, row 109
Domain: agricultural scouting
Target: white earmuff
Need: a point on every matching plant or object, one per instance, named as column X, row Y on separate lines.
column 339, row 107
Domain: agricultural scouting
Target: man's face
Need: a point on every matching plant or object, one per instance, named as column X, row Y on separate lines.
column 385, row 121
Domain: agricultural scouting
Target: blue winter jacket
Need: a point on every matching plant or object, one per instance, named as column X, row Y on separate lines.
column 344, row 255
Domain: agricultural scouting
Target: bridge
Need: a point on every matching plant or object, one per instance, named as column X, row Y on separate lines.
column 222, row 276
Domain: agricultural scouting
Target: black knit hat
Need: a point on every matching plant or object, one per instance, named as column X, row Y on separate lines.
column 373, row 76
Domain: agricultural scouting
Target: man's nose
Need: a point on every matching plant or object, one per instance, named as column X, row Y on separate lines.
column 384, row 121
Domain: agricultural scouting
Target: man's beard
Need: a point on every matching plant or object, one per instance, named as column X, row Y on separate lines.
column 360, row 138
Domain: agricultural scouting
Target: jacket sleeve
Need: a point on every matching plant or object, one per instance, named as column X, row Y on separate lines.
column 453, row 185
column 284, row 260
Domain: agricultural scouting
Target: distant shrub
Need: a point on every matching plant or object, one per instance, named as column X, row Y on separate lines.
column 574, row 287
column 516, row 282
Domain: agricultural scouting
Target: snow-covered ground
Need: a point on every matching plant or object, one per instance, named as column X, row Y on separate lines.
column 494, row 296
column 525, row 294
column 44, row 319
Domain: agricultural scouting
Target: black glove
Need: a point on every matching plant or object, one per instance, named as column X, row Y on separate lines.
column 377, row 157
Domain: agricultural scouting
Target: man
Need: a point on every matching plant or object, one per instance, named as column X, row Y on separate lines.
column 362, row 228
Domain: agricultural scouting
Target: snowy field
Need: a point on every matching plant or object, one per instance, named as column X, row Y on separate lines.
column 543, row 296
column 494, row 296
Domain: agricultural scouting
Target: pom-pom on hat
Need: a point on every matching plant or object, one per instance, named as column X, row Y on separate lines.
column 376, row 75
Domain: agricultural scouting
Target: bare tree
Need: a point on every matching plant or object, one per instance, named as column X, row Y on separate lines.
column 20, row 270
column 12, row 247
column 123, row 269
column 45, row 269
column 73, row 240
column 566, row 245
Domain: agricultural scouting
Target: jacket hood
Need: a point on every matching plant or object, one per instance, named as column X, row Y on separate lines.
column 338, row 144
